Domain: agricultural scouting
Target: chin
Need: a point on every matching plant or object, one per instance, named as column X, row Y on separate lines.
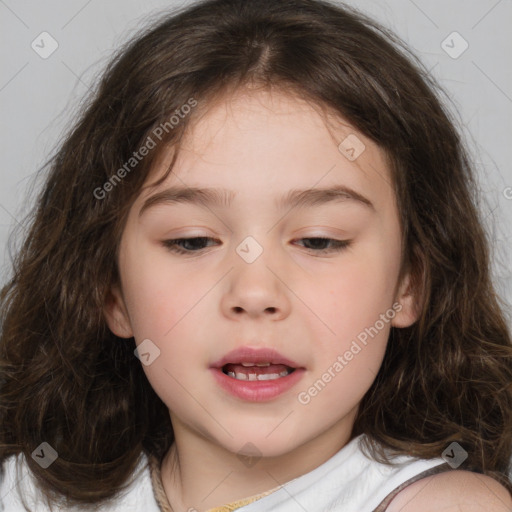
column 258, row 445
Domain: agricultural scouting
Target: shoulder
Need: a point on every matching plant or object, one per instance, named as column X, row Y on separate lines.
column 17, row 485
column 453, row 491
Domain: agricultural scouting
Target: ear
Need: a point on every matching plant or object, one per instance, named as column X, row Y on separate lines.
column 409, row 301
column 116, row 313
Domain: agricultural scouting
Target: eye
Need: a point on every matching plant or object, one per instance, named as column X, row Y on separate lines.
column 319, row 243
column 175, row 245
column 198, row 243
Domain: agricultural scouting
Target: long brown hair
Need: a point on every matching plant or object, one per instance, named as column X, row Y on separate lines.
column 69, row 381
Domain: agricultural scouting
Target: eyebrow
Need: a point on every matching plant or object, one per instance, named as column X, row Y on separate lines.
column 217, row 197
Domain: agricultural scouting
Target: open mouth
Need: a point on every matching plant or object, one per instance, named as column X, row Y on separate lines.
column 256, row 371
column 256, row 374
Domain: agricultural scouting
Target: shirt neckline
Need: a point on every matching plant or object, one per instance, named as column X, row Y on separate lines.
column 165, row 506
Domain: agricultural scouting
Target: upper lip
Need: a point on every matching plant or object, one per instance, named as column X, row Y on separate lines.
column 255, row 356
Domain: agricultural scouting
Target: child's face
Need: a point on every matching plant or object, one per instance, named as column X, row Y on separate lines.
column 314, row 308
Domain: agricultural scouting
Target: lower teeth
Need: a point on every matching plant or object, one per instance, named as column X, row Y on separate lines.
column 253, row 376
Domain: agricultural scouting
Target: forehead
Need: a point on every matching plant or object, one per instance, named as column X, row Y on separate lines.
column 258, row 142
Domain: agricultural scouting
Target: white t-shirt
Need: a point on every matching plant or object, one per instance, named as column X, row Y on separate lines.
column 347, row 482
column 138, row 498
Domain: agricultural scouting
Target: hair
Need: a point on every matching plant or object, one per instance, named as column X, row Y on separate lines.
column 69, row 381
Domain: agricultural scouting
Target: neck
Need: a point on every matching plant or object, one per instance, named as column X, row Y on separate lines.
column 199, row 474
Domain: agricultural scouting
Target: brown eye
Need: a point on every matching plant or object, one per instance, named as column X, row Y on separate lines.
column 186, row 245
column 319, row 244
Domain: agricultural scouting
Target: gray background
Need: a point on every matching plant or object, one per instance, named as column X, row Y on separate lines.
column 38, row 96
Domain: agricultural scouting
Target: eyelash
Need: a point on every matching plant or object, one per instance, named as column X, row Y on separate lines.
column 172, row 245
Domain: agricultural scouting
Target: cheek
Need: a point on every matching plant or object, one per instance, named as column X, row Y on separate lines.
column 157, row 294
column 350, row 303
column 165, row 307
column 349, row 354
column 359, row 293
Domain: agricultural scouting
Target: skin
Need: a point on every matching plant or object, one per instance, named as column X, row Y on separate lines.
column 308, row 305
column 455, row 491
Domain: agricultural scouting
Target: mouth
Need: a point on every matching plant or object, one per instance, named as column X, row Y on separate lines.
column 256, row 371
column 256, row 374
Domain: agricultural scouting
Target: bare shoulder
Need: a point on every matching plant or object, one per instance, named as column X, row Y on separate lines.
column 453, row 491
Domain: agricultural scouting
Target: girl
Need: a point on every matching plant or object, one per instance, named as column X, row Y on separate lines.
column 256, row 280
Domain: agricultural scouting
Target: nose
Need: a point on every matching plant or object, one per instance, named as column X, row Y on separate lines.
column 256, row 290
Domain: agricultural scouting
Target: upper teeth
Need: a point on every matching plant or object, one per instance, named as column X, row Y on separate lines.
column 253, row 376
column 255, row 364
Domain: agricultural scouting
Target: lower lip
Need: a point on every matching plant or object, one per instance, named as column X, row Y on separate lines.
column 257, row 390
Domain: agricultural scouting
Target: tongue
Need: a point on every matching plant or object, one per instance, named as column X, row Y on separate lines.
column 258, row 370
